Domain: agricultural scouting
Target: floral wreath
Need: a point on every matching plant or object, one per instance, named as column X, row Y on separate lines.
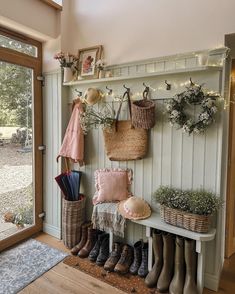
column 194, row 95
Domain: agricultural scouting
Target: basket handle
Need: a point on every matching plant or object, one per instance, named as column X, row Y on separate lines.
column 127, row 93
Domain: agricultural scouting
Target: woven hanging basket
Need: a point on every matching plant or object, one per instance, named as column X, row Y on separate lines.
column 123, row 141
column 192, row 222
column 143, row 114
column 73, row 216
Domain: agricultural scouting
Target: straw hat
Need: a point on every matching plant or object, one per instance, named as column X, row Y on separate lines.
column 134, row 208
column 92, row 96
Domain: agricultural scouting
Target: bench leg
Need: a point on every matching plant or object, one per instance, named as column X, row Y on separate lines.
column 110, row 241
column 200, row 249
column 150, row 247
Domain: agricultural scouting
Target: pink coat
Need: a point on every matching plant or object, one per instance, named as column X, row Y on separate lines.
column 73, row 143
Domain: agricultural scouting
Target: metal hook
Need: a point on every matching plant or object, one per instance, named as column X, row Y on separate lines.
column 191, row 82
column 146, row 88
column 110, row 91
column 146, row 91
column 128, row 89
column 168, row 86
column 79, row 92
column 145, row 85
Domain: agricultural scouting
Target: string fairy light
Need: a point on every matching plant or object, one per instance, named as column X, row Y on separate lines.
column 136, row 95
column 118, row 96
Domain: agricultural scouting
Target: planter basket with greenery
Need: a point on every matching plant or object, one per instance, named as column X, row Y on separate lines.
column 188, row 209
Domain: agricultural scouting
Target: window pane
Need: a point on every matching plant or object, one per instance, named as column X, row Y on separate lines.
column 16, row 146
column 7, row 42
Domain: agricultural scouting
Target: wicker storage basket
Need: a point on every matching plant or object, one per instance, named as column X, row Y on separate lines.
column 73, row 216
column 193, row 222
column 143, row 114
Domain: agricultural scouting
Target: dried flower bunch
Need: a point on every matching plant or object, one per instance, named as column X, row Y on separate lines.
column 194, row 95
column 92, row 118
column 66, row 60
column 199, row 202
column 100, row 64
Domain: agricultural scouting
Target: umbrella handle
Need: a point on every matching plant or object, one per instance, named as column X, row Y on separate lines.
column 67, row 164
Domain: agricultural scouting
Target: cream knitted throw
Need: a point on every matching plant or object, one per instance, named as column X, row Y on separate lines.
column 105, row 217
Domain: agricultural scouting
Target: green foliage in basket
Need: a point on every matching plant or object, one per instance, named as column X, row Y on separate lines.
column 200, row 202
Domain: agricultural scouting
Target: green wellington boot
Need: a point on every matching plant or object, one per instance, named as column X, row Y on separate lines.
column 168, row 263
column 177, row 283
column 190, row 256
column 152, row 277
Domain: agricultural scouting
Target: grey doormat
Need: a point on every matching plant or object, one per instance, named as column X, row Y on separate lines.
column 22, row 264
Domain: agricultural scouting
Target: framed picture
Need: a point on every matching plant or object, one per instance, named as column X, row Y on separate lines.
column 87, row 59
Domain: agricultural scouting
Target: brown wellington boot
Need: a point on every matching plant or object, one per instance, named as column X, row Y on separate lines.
column 114, row 257
column 152, row 277
column 190, row 256
column 177, row 283
column 90, row 243
column 126, row 259
column 168, row 263
column 83, row 240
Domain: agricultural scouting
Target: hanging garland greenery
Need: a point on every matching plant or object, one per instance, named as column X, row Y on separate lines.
column 194, row 95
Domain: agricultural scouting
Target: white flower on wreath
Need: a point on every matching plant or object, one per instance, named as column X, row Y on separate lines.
column 209, row 103
column 214, row 109
column 204, row 116
column 179, row 99
column 169, row 107
column 186, row 128
column 175, row 114
column 197, row 131
column 207, row 122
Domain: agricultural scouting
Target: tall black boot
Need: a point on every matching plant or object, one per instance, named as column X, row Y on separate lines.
column 137, row 258
column 143, row 269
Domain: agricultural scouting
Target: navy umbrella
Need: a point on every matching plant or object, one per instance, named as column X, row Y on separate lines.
column 69, row 183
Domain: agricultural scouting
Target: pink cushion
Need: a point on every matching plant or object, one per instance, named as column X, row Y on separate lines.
column 112, row 185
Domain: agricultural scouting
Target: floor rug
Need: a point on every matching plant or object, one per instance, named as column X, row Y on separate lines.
column 126, row 283
column 24, row 263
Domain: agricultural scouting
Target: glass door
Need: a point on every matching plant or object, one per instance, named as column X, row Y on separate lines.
column 20, row 138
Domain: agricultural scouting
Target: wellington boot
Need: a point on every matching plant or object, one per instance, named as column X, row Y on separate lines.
column 90, row 243
column 137, row 258
column 104, row 251
column 114, row 257
column 96, row 249
column 177, row 283
column 152, row 277
column 168, row 263
column 190, row 256
column 83, row 240
column 125, row 261
column 143, row 269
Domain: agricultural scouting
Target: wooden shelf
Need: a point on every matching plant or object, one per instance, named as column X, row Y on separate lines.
column 154, row 221
column 144, row 75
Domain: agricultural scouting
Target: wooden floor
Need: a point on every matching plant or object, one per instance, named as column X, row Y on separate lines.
column 63, row 279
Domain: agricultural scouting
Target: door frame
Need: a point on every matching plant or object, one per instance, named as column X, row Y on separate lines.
column 230, row 201
column 35, row 63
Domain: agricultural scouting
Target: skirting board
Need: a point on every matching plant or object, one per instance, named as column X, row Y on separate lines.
column 212, row 281
column 52, row 230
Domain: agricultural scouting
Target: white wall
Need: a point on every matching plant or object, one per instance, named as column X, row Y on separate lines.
column 49, row 49
column 31, row 17
column 38, row 21
column 140, row 29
